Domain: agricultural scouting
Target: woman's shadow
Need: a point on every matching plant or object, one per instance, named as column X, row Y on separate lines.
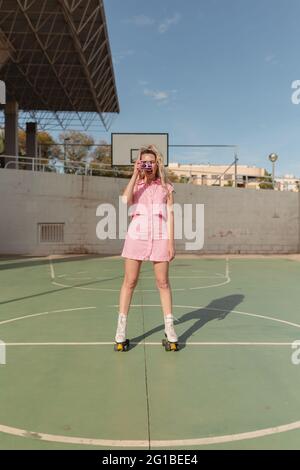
column 217, row 309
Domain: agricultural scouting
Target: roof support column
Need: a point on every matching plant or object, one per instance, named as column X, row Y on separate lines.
column 31, row 142
column 11, row 132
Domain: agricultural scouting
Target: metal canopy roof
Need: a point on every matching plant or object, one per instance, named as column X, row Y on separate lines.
column 56, row 61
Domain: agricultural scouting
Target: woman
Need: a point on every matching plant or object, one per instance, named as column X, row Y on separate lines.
column 150, row 236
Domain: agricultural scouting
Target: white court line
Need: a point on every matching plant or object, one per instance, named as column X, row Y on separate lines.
column 153, row 443
column 79, row 272
column 24, row 317
column 186, row 277
column 227, row 268
column 265, row 317
column 66, row 286
column 227, row 277
column 199, row 307
column 51, row 267
column 227, row 281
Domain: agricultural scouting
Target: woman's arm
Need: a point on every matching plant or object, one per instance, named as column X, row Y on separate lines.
column 127, row 196
column 170, row 222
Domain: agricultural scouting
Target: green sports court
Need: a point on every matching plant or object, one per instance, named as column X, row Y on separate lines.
column 231, row 385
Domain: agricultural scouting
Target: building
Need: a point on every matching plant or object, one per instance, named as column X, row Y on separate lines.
column 219, row 175
column 287, row 183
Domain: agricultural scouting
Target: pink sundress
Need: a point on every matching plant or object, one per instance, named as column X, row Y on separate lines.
column 147, row 238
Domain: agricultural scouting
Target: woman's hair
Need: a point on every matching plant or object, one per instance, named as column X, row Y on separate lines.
column 161, row 172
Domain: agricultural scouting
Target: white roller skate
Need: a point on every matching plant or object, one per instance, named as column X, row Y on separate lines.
column 121, row 343
column 170, row 343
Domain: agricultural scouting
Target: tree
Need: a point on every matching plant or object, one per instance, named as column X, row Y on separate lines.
column 183, row 179
column 48, row 147
column 102, row 153
column 77, row 145
column 44, row 140
column 173, row 177
column 266, row 181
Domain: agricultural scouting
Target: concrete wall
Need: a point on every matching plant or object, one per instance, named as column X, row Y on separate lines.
column 236, row 220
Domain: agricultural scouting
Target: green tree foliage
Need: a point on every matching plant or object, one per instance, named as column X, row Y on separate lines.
column 76, row 145
column 266, row 181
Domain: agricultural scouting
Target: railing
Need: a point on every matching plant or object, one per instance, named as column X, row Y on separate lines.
column 62, row 167
column 214, row 154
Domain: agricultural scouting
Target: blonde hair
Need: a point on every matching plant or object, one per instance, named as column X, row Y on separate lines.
column 160, row 171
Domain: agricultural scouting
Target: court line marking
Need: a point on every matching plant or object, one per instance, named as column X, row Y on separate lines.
column 81, row 278
column 278, row 320
column 297, row 325
column 24, row 317
column 156, row 443
column 66, row 286
column 52, row 273
column 187, row 277
column 227, row 281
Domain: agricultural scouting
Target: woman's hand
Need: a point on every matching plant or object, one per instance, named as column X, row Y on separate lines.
column 136, row 168
column 171, row 249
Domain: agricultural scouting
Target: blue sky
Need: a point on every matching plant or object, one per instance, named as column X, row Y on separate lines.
column 209, row 72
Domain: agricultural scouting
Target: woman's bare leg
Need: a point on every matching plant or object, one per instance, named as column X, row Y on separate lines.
column 161, row 270
column 131, row 274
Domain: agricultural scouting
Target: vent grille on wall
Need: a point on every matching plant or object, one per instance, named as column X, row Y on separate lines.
column 51, row 233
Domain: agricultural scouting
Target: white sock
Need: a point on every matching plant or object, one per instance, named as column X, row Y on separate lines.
column 169, row 328
column 121, row 328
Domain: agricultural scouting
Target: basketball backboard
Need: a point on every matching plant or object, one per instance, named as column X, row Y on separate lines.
column 125, row 146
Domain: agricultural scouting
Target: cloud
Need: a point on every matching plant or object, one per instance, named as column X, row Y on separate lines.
column 144, row 20
column 271, row 59
column 119, row 56
column 160, row 96
column 168, row 22
column 156, row 95
column 140, row 20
